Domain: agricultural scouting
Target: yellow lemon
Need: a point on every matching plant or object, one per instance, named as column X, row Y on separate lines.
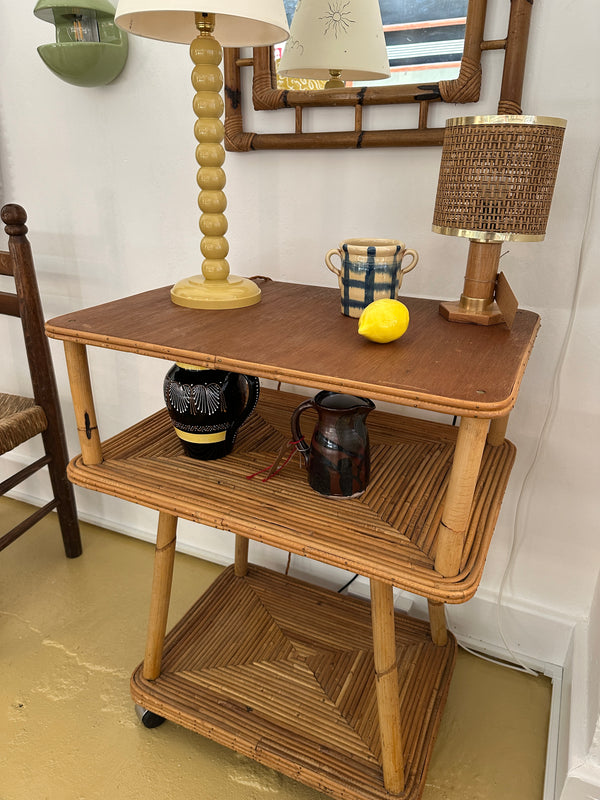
column 383, row 320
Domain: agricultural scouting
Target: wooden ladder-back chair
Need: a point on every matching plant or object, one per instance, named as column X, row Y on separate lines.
column 22, row 418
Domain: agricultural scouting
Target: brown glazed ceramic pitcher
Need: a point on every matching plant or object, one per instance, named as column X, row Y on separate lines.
column 338, row 457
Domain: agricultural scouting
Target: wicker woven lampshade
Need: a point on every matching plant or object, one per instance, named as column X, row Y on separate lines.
column 496, row 183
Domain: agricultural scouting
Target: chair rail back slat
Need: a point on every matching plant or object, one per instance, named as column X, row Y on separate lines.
column 9, row 304
column 6, row 267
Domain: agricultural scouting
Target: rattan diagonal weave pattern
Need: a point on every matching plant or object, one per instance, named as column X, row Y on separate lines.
column 390, row 531
column 249, row 639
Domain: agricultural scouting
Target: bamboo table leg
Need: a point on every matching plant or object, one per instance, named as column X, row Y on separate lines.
column 241, row 555
column 497, row 432
column 386, row 676
column 459, row 497
column 164, row 556
column 437, row 622
column 83, row 402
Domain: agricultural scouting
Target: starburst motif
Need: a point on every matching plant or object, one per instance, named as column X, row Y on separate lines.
column 338, row 19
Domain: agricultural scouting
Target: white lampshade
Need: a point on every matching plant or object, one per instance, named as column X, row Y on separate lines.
column 344, row 35
column 237, row 22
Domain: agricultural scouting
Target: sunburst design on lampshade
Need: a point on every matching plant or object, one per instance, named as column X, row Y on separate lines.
column 234, row 23
column 496, row 183
column 339, row 40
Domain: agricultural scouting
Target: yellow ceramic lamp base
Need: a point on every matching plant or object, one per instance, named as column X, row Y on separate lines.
column 215, row 288
column 200, row 292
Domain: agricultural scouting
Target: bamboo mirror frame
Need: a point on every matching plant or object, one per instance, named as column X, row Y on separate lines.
column 464, row 89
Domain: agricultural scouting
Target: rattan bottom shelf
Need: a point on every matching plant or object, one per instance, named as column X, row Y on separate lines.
column 282, row 671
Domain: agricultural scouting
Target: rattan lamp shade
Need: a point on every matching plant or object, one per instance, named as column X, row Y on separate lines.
column 496, row 182
column 497, row 177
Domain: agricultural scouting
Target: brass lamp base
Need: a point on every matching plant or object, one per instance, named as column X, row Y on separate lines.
column 199, row 292
column 465, row 310
column 477, row 304
column 335, row 81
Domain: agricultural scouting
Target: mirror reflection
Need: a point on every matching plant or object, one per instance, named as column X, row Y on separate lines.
column 424, row 40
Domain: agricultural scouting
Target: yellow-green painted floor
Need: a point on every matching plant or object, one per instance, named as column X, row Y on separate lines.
column 71, row 633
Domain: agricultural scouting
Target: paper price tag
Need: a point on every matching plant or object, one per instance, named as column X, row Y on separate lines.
column 506, row 300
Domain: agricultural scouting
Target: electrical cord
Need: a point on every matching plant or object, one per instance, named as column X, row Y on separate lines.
column 552, row 407
column 347, row 584
column 517, row 541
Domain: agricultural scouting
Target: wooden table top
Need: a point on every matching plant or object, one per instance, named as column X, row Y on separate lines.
column 297, row 334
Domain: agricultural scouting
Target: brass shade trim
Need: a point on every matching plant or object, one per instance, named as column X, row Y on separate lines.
column 507, row 119
column 488, row 236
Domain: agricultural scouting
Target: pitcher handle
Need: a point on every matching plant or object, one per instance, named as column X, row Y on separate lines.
column 297, row 437
column 335, row 252
column 253, row 384
column 253, row 394
column 413, row 263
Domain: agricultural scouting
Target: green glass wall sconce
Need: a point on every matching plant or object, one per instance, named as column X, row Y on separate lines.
column 89, row 50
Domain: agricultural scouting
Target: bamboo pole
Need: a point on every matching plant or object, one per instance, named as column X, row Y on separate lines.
column 437, row 622
column 386, row 676
column 497, row 432
column 513, row 73
column 83, row 403
column 241, row 556
column 358, row 118
column 164, row 556
column 459, row 497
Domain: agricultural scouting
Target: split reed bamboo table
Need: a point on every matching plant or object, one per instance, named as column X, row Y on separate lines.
column 341, row 694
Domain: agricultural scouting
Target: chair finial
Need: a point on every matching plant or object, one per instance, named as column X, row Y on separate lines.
column 14, row 218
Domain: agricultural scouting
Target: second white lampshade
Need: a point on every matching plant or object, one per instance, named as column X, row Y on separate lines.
column 336, row 35
column 237, row 22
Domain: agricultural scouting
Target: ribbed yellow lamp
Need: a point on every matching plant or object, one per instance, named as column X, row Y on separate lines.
column 206, row 25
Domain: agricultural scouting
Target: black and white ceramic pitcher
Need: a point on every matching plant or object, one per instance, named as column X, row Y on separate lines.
column 208, row 406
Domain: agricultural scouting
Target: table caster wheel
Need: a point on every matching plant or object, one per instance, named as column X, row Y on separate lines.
column 148, row 718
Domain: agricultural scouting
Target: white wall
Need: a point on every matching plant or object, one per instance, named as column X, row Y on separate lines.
column 107, row 176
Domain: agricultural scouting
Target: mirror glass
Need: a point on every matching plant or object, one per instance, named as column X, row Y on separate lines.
column 421, row 36
column 424, row 40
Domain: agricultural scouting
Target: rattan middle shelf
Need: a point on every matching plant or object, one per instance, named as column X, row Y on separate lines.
column 389, row 533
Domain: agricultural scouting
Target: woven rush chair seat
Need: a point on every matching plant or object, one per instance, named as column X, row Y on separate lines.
column 20, row 419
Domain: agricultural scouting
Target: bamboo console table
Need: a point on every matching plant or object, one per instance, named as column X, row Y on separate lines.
column 341, row 694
